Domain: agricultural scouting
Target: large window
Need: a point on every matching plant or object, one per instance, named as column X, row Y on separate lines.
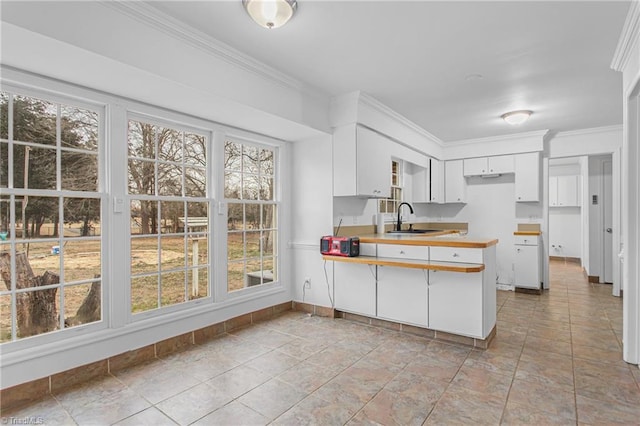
column 50, row 216
column 252, row 226
column 169, row 215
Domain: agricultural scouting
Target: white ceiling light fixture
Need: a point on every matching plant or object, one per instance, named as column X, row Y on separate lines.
column 516, row 117
column 270, row 13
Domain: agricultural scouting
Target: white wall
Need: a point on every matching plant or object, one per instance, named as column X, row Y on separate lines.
column 312, row 192
column 595, row 214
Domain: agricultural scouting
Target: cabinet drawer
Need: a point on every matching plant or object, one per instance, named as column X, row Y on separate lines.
column 526, row 240
column 456, row 254
column 403, row 252
column 367, row 249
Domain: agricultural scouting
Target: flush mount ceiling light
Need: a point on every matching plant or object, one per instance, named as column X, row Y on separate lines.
column 516, row 117
column 270, row 13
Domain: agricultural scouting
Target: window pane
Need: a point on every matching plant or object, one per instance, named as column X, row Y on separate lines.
column 195, row 182
column 172, row 289
column 266, row 188
column 252, row 244
column 144, row 293
column 82, row 304
column 79, row 128
column 235, row 276
column 37, row 312
column 254, row 273
column 44, row 258
column 269, row 219
column 266, row 162
column 232, row 185
column 34, row 168
column 252, row 216
column 5, row 217
column 41, row 217
column 5, row 318
column 144, row 255
column 141, row 140
column 4, row 164
column 232, row 156
column 269, row 242
column 268, row 269
column 142, row 177
column 250, row 159
column 197, row 251
column 144, row 217
column 235, row 216
column 4, row 115
column 169, row 145
column 195, row 149
column 81, row 217
column 79, row 171
column 81, row 260
column 172, row 217
column 169, row 179
column 34, row 120
column 172, row 252
column 250, row 187
column 198, row 283
column 235, row 245
column 198, row 217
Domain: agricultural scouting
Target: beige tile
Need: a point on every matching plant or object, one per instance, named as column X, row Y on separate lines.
column 549, row 399
column 194, row 403
column 463, row 406
column 314, row 411
column 272, row 398
column 238, row 381
column 110, row 409
column 230, row 415
column 483, row 381
column 79, row 375
column 550, row 369
column 24, row 394
column 547, row 345
column 131, row 358
column 205, row 334
column 46, row 411
column 240, row 321
column 273, row 363
column 348, row 391
column 595, row 411
column 433, row 367
column 530, row 414
column 390, row 408
column 174, row 344
column 149, row 417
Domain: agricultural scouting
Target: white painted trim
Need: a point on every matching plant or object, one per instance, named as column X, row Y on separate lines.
column 590, row 131
column 628, row 38
column 152, row 17
column 616, row 195
column 509, row 137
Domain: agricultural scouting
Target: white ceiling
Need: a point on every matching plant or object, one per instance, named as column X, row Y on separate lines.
column 419, row 57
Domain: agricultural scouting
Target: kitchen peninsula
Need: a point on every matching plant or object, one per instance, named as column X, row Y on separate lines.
column 442, row 282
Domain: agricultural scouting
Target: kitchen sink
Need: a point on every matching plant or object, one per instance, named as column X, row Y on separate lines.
column 414, row 231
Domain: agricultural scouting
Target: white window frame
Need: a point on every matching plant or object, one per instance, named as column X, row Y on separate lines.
column 101, row 194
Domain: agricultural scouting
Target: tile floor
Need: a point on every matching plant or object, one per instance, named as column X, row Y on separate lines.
column 556, row 360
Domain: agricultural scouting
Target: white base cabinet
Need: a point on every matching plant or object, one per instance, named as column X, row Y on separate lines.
column 403, row 295
column 355, row 288
column 527, row 267
column 455, row 302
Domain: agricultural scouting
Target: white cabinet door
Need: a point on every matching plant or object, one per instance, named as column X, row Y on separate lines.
column 475, row 166
column 402, row 295
column 361, row 163
column 455, row 186
column 455, row 302
column 373, row 164
column 420, row 184
column 355, row 288
column 527, row 181
column 553, row 191
column 501, row 164
column 436, row 181
column 527, row 266
column 567, row 191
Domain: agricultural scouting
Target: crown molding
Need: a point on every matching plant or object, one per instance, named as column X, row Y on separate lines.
column 373, row 103
column 160, row 21
column 590, row 131
column 628, row 37
column 512, row 136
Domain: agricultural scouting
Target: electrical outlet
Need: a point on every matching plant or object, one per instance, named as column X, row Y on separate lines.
column 307, row 282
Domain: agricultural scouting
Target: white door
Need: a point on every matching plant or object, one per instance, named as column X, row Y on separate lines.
column 607, row 240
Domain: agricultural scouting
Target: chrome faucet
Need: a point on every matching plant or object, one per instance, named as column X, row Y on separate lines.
column 399, row 222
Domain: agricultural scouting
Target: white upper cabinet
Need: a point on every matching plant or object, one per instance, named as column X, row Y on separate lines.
column 527, row 181
column 361, row 163
column 436, row 181
column 564, row 191
column 501, row 164
column 455, row 186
